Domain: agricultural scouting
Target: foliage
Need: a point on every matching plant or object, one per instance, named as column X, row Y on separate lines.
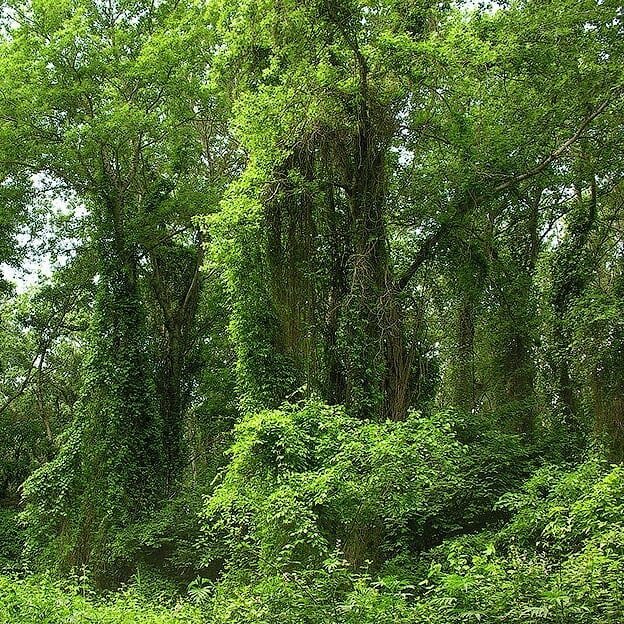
column 11, row 540
column 307, row 480
column 295, row 295
column 42, row 600
column 559, row 559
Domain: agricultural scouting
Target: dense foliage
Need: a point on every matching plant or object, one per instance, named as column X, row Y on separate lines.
column 43, row 601
column 311, row 311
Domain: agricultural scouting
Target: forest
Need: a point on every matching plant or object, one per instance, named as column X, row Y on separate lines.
column 311, row 312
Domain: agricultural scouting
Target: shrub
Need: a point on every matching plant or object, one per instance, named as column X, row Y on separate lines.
column 560, row 559
column 304, row 476
column 40, row 600
column 308, row 479
column 317, row 511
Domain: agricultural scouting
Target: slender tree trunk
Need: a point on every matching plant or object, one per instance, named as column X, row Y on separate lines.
column 177, row 293
column 334, row 362
column 464, row 386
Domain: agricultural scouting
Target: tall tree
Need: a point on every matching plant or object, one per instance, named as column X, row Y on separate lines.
column 109, row 101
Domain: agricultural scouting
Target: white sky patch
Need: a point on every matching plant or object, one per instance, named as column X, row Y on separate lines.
column 39, row 260
column 471, row 5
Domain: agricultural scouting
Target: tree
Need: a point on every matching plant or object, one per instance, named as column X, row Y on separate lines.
column 109, row 101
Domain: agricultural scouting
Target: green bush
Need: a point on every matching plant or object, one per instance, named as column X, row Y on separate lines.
column 317, row 511
column 307, row 480
column 11, row 539
column 302, row 477
column 333, row 593
column 559, row 560
column 39, row 600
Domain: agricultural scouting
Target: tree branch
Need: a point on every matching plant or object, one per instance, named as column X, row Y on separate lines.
column 431, row 242
column 555, row 154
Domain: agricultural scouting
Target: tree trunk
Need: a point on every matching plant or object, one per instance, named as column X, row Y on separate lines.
column 464, row 383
